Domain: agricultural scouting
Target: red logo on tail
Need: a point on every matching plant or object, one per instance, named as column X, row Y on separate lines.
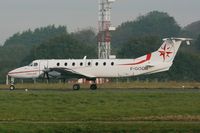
column 165, row 51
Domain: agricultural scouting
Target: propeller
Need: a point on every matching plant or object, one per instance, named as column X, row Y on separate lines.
column 46, row 73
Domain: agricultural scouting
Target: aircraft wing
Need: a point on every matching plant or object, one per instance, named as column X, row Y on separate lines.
column 69, row 73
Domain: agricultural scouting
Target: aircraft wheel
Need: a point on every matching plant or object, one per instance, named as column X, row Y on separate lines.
column 76, row 87
column 12, row 87
column 93, row 87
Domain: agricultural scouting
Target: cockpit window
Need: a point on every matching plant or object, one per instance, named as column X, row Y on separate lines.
column 35, row 64
column 30, row 64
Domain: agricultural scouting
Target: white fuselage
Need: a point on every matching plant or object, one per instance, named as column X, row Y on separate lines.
column 158, row 61
column 93, row 68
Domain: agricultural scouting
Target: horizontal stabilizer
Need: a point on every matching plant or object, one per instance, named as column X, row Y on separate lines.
column 187, row 40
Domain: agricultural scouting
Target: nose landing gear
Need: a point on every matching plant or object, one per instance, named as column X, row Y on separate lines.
column 12, row 86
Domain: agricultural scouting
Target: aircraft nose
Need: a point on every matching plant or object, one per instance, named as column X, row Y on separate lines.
column 24, row 72
column 13, row 73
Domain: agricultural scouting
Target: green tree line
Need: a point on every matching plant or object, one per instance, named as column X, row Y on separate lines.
column 130, row 40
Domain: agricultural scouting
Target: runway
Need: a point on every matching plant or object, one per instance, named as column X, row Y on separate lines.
column 131, row 90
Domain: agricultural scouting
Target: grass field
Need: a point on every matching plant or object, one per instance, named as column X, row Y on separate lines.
column 99, row 111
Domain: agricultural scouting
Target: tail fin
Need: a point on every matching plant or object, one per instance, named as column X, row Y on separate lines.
column 168, row 50
column 162, row 59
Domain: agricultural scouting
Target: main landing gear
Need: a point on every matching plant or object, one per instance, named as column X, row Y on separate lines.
column 76, row 87
column 93, row 86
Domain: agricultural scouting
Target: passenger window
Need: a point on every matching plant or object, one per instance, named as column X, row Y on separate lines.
column 89, row 63
column 96, row 63
column 65, row 64
column 112, row 63
column 73, row 64
column 104, row 63
column 58, row 64
column 81, row 64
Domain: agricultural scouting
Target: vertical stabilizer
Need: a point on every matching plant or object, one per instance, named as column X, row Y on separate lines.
column 162, row 59
column 168, row 50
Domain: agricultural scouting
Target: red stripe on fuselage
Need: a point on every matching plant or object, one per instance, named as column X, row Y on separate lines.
column 148, row 57
column 24, row 72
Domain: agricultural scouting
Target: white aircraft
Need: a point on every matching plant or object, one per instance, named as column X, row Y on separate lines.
column 91, row 69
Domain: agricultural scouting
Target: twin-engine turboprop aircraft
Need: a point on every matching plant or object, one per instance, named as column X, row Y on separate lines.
column 91, row 69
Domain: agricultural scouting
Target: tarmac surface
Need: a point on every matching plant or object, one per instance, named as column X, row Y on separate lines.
column 132, row 90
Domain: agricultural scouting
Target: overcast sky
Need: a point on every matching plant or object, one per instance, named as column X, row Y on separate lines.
column 20, row 15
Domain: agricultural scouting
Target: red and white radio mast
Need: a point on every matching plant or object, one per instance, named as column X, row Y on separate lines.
column 104, row 27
